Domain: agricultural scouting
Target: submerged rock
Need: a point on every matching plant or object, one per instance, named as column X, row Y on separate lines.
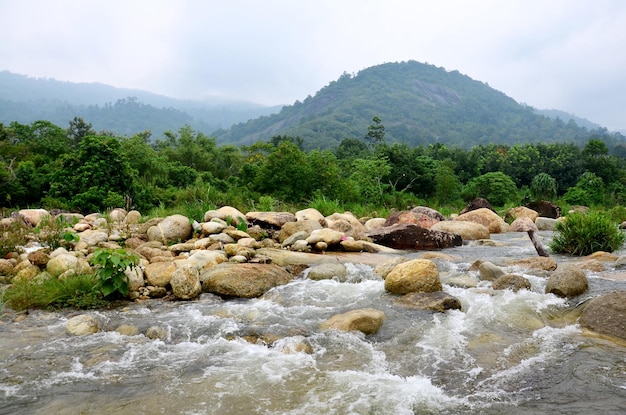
column 511, row 282
column 82, row 325
column 328, row 271
column 435, row 301
column 366, row 320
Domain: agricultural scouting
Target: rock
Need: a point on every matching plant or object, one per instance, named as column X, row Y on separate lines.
column 91, row 237
column 213, row 227
column 185, row 283
column 236, row 234
column 132, row 218
column 127, row 330
column 39, row 258
column 434, row 301
column 26, row 273
column 61, row 263
column 386, row 267
column 417, row 275
column 6, row 267
column 157, row 333
column 272, row 219
column 181, row 247
column 34, row 216
column 366, row 320
column 374, row 223
column 175, row 228
column 606, row 315
column 202, row 259
column 230, row 214
column 159, row 274
column 410, row 236
column 135, row 278
column 478, row 203
column 301, row 246
column 312, row 215
column 545, row 209
column 521, row 212
column 485, row 217
column 489, row 272
column 82, row 325
column 409, row 216
column 603, row 256
column 292, row 228
column 118, row 215
column 328, row 271
column 346, row 223
column 567, row 281
column 542, row 263
column 523, row 224
column 298, row 236
column 469, row 231
column 511, row 282
column 545, row 224
column 243, row 280
column 329, row 236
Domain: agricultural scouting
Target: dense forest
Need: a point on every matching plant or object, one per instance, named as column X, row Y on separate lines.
column 79, row 169
column 421, row 104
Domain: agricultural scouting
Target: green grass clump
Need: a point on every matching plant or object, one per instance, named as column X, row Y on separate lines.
column 584, row 233
column 78, row 292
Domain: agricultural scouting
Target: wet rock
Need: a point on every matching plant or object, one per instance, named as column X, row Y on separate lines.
column 603, row 256
column 469, row 231
column 511, row 282
column 488, row 271
column 157, row 333
column 366, row 320
column 175, row 228
column 567, row 281
column 386, row 267
column 327, row 272
column 243, row 280
column 410, row 236
column 485, row 217
column 417, row 275
column 82, row 325
column 606, row 315
column 185, row 283
column 434, row 301
column 127, row 330
column 159, row 274
column 541, row 263
column 462, row 281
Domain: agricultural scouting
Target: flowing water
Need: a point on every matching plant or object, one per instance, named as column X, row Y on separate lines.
column 505, row 352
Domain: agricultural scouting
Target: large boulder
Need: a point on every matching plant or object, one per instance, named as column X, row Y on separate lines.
column 366, row 320
column 468, row 231
column 511, row 282
column 61, row 263
column 159, row 274
column 243, row 280
column 521, row 212
column 410, row 236
column 417, row 275
column 545, row 209
column 291, row 228
column 478, row 203
column 311, row 214
column 485, row 217
column 422, row 216
column 185, row 283
column 567, row 281
column 434, row 301
column 606, row 315
column 175, row 228
column 346, row 223
column 488, row 271
column 34, row 216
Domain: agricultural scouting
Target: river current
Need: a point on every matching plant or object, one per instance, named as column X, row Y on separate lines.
column 504, row 352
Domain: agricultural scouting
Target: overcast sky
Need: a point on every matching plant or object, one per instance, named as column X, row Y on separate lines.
column 563, row 54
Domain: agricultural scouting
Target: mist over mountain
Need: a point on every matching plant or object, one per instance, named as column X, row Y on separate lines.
column 120, row 110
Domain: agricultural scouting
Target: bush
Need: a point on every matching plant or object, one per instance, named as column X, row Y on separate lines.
column 582, row 234
column 111, row 264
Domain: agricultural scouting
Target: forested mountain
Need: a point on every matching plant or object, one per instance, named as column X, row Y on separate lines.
column 418, row 104
column 119, row 110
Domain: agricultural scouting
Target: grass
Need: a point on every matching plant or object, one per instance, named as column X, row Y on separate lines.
column 80, row 292
column 584, row 233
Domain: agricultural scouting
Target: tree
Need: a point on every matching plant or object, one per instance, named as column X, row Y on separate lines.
column 447, row 185
column 285, row 173
column 496, row 187
column 375, row 132
column 78, row 130
column 368, row 174
column 543, row 187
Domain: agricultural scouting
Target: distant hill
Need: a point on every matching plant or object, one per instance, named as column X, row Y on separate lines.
column 418, row 104
column 567, row 117
column 123, row 111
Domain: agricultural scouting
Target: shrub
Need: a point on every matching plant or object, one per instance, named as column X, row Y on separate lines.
column 543, row 187
column 111, row 264
column 13, row 238
column 582, row 234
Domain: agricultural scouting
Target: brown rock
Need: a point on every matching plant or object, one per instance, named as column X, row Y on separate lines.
column 417, row 275
column 185, row 283
column 567, row 281
column 521, row 212
column 422, row 217
column 243, row 280
column 478, row 203
column 485, row 217
column 511, row 282
column 545, row 209
column 409, row 236
column 542, row 263
column 39, row 258
column 159, row 274
column 434, row 301
column 291, row 228
column 606, row 315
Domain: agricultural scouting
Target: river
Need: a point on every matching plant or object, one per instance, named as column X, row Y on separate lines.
column 504, row 352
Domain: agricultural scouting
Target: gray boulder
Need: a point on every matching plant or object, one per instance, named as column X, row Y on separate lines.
column 606, row 315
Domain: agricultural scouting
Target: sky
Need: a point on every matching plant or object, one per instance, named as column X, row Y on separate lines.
column 551, row 54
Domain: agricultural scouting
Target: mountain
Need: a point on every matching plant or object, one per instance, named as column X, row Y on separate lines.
column 417, row 103
column 567, row 117
column 120, row 110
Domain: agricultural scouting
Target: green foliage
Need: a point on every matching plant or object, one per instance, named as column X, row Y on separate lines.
column 447, row 185
column 238, row 223
column 582, row 234
column 111, row 264
column 375, row 132
column 13, row 237
column 368, row 174
column 543, row 187
column 77, row 292
column 588, row 191
column 325, row 205
column 496, row 187
column 54, row 233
